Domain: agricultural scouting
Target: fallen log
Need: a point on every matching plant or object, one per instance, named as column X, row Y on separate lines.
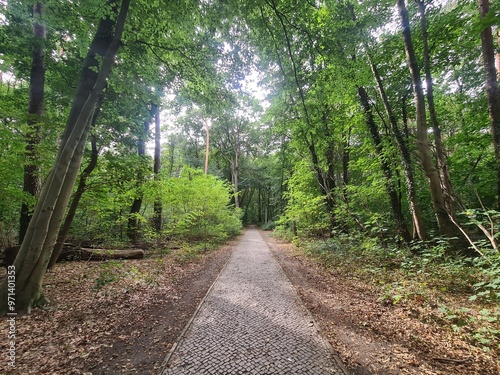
column 71, row 252
column 83, row 253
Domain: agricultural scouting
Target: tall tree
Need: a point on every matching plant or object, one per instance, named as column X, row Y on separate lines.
column 406, row 159
column 230, row 135
column 445, row 224
column 34, row 254
column 156, row 170
column 492, row 93
column 394, row 200
column 133, row 221
column 36, row 94
column 442, row 165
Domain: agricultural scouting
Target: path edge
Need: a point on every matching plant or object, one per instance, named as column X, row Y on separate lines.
column 178, row 341
column 327, row 344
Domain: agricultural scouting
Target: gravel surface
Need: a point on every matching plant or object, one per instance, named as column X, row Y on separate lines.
column 252, row 322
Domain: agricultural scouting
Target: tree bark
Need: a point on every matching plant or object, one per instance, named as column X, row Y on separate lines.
column 235, row 166
column 34, row 254
column 207, row 146
column 32, row 183
column 498, row 54
column 82, row 186
column 492, row 93
column 133, row 221
column 326, row 184
column 101, row 254
column 394, row 200
column 445, row 225
column 444, row 174
column 157, row 206
column 404, row 150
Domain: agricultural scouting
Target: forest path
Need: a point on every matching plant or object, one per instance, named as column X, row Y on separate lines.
column 251, row 322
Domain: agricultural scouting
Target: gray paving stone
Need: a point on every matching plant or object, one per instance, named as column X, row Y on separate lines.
column 252, row 322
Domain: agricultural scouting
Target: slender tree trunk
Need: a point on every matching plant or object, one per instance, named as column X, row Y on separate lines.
column 326, row 185
column 267, row 193
column 157, row 206
column 401, row 226
column 32, row 182
column 34, row 255
column 345, row 161
column 404, row 116
column 445, row 225
column 171, row 156
column 492, row 92
column 133, row 221
column 82, row 186
column 498, row 54
column 404, row 150
column 444, row 174
column 207, row 146
column 235, row 177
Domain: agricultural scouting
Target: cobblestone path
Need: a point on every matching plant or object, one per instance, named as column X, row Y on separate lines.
column 251, row 322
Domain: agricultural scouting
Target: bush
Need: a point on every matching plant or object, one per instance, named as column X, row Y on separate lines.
column 305, row 214
column 196, row 207
column 270, row 225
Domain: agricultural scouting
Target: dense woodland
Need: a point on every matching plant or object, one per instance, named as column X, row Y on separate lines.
column 371, row 126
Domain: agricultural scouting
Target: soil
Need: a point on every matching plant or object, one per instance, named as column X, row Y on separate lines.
column 123, row 318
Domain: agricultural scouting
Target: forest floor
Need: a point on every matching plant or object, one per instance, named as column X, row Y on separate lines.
column 123, row 317
column 373, row 337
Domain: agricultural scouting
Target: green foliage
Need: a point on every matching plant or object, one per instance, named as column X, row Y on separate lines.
column 305, row 211
column 401, row 278
column 196, row 206
column 105, row 206
column 270, row 225
column 110, row 272
column 481, row 328
column 488, row 289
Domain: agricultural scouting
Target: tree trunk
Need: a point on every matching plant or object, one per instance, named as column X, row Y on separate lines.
column 444, row 174
column 235, row 177
column 157, row 206
column 329, row 178
column 207, row 146
column 326, row 185
column 34, row 254
column 345, row 161
column 133, row 221
column 404, row 150
column 32, row 182
column 401, row 226
column 498, row 54
column 82, row 186
column 445, row 225
column 492, row 92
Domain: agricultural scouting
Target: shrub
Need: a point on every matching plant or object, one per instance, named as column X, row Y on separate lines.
column 196, row 207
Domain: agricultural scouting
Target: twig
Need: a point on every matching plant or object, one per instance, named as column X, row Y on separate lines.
column 451, row 360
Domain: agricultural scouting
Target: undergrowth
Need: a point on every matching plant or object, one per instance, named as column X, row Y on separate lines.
column 190, row 252
column 460, row 294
